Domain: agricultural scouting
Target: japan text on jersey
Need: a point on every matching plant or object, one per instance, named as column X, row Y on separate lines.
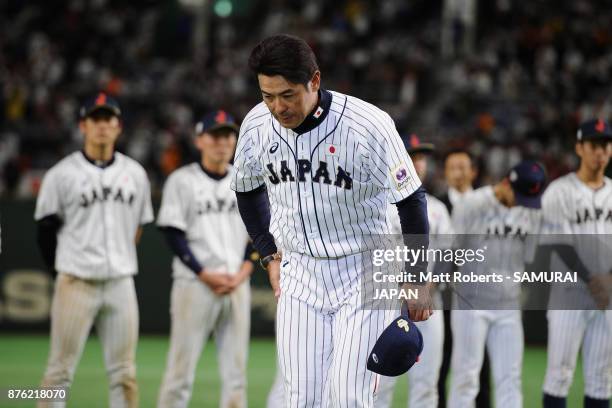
column 101, row 210
column 329, row 184
column 206, row 210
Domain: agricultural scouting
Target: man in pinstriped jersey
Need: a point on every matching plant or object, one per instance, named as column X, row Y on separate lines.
column 315, row 170
column 423, row 377
column 89, row 212
column 501, row 219
column 577, row 209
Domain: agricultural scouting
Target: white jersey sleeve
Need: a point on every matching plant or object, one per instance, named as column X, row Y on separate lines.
column 49, row 196
column 175, row 203
column 466, row 217
column 391, row 167
column 439, row 218
column 146, row 213
column 554, row 211
column 249, row 173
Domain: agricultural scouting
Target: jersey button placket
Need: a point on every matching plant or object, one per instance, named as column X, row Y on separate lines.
column 303, row 193
column 107, row 220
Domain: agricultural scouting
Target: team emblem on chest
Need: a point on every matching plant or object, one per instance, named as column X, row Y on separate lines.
column 216, row 206
column 594, row 214
column 114, row 193
column 283, row 173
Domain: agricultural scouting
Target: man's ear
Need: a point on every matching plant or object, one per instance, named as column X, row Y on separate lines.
column 82, row 126
column 197, row 142
column 578, row 149
column 315, row 82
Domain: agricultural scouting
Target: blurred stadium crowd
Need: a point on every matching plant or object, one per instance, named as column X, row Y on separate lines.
column 504, row 78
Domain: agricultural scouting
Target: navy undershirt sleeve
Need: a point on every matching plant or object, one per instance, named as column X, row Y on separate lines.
column 415, row 227
column 254, row 208
column 178, row 243
column 47, row 229
column 250, row 253
column 413, row 214
column 568, row 255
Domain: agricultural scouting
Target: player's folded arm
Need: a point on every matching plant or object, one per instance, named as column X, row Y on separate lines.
column 568, row 255
column 177, row 241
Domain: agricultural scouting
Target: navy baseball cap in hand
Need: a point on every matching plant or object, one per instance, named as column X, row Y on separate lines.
column 100, row 101
column 216, row 120
column 594, row 129
column 528, row 179
column 397, row 348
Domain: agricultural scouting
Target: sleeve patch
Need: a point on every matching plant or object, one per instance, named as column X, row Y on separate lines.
column 401, row 176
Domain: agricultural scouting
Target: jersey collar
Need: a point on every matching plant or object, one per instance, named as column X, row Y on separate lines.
column 99, row 163
column 317, row 115
column 214, row 176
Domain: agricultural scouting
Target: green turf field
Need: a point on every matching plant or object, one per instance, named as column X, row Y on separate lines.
column 22, row 360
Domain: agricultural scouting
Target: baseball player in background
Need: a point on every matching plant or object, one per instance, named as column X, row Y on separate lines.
column 422, row 377
column 314, row 172
column 498, row 218
column 460, row 173
column 211, row 267
column 89, row 211
column 579, row 206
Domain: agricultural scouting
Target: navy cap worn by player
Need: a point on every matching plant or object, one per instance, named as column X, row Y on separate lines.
column 527, row 180
column 200, row 219
column 316, row 170
column 580, row 204
column 90, row 209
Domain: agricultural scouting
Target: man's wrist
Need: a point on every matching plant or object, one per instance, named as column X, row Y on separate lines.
column 265, row 261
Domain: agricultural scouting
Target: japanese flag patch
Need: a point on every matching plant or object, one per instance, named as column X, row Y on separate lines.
column 318, row 112
column 331, row 150
column 401, row 176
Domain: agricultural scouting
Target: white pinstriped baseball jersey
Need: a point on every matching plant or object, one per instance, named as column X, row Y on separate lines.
column 327, row 187
column 503, row 232
column 582, row 217
column 101, row 210
column 206, row 210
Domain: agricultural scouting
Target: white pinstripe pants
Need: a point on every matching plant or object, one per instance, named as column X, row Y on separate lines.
column 196, row 313
column 501, row 331
column 112, row 307
column 567, row 331
column 324, row 335
column 423, row 376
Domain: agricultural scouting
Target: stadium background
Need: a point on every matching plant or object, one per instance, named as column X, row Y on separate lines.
column 504, row 78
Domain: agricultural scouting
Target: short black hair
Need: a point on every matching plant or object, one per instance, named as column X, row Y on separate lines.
column 461, row 151
column 284, row 55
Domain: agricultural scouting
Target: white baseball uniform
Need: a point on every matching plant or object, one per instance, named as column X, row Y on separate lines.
column 328, row 189
column 423, row 376
column 582, row 215
column 474, row 325
column 205, row 208
column 101, row 210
